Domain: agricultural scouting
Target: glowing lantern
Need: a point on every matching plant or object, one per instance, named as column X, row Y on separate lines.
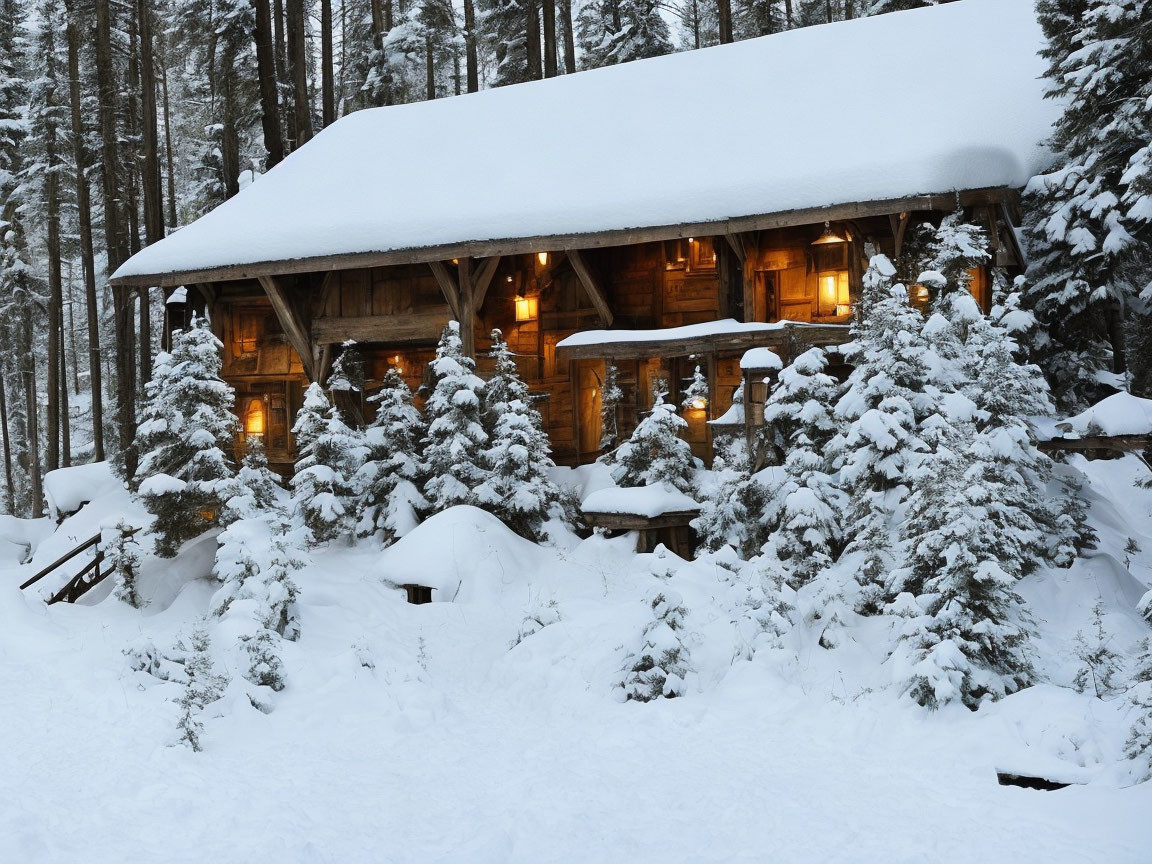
column 698, row 404
column 542, row 257
column 527, row 308
column 254, row 419
column 828, row 237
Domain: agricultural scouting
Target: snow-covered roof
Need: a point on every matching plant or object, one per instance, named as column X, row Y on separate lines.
column 951, row 98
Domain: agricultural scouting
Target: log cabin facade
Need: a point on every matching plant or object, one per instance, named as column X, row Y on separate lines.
column 656, row 299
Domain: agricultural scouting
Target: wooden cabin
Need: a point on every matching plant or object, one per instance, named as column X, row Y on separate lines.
column 660, row 215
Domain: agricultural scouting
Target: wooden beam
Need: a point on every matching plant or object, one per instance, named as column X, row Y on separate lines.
column 484, row 280
column 901, row 227
column 814, row 334
column 737, row 244
column 422, row 325
column 1098, row 442
column 324, row 364
column 328, row 285
column 591, row 285
column 945, row 202
column 447, row 286
column 292, row 322
column 636, row 522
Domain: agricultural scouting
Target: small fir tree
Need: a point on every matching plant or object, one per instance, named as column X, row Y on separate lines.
column 122, row 555
column 696, row 392
column 734, row 515
column 610, row 400
column 729, row 443
column 1100, row 666
column 656, row 453
column 259, row 489
column 517, row 488
column 323, row 493
column 617, row 31
column 391, row 476
column 185, row 436
column 454, row 445
column 955, row 250
column 659, row 668
column 202, row 688
column 1138, row 748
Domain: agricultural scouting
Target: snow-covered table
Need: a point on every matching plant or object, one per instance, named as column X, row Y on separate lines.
column 660, row 514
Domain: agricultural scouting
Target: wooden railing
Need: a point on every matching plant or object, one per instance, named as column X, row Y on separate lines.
column 88, row 578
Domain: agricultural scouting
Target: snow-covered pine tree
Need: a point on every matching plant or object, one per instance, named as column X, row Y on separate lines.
column 324, row 496
column 659, row 667
column 517, row 488
column 617, row 31
column 956, row 247
column 809, row 506
column 729, row 443
column 610, row 399
column 185, row 438
column 259, row 489
column 504, row 27
column 347, row 375
column 968, row 640
column 1138, row 748
column 1100, row 666
column 391, row 476
column 454, row 445
column 122, row 556
column 656, row 453
column 1074, row 533
column 1087, row 220
column 696, row 391
column 202, row 687
column 734, row 514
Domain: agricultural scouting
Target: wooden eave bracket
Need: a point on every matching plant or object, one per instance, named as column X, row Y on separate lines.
column 592, row 286
column 292, row 321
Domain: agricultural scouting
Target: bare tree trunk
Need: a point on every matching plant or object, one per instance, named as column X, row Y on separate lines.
column 533, row 33
column 266, row 73
column 284, row 76
column 65, row 425
column 132, row 136
column 569, row 38
column 84, row 209
column 724, row 16
column 788, row 13
column 828, row 10
column 153, row 201
column 549, row 38
column 298, row 60
column 230, row 135
column 9, row 481
column 472, row 60
column 327, row 75
column 169, row 156
column 31, row 406
column 70, row 302
column 429, row 69
column 55, row 286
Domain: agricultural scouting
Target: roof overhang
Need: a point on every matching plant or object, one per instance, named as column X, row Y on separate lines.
column 941, row 201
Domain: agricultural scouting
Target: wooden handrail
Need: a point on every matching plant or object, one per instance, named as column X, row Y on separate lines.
column 91, row 541
column 69, row 592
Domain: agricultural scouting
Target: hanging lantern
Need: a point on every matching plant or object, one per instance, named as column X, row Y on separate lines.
column 829, row 237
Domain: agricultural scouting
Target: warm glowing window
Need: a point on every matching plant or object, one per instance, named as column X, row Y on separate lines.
column 246, row 339
column 254, row 418
column 691, row 254
column 527, row 308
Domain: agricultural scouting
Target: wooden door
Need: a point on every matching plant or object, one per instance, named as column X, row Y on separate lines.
column 589, row 386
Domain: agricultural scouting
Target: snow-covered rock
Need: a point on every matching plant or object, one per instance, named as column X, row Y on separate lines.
column 66, row 489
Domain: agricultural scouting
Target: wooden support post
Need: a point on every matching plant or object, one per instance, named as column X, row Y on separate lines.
column 447, row 286
column 592, row 286
column 467, row 307
column 899, row 226
column 710, row 411
column 484, row 280
column 293, row 323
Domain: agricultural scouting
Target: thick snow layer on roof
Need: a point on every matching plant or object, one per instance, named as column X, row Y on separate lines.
column 639, row 501
column 65, row 489
column 951, row 99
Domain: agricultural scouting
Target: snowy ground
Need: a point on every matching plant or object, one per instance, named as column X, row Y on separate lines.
column 416, row 733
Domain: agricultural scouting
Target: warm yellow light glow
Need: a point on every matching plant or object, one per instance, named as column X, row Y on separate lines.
column 698, row 404
column 542, row 257
column 842, row 294
column 526, row 308
column 455, row 260
column 208, row 515
column 509, row 278
column 691, row 239
column 254, row 419
column 828, row 237
column 827, row 291
column 396, row 359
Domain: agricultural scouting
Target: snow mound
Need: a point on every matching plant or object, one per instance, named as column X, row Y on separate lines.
column 1118, row 414
column 67, row 489
column 761, row 358
column 647, row 501
column 464, row 554
column 19, row 537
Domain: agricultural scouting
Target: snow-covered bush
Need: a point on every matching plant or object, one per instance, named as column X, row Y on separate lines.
column 122, row 554
column 453, row 447
column 259, row 489
column 254, row 564
column 656, row 453
column 517, row 488
column 323, row 491
column 1139, row 745
column 185, row 438
column 391, row 475
column 202, row 687
column 540, row 615
column 733, row 515
column 659, row 667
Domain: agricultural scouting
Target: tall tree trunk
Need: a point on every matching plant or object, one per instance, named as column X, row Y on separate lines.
column 472, row 61
column 55, row 301
column 724, row 17
column 327, row 74
column 65, row 424
column 169, row 156
column 429, row 68
column 532, row 31
column 84, row 211
column 230, row 134
column 31, row 407
column 266, row 73
column 153, row 200
column 549, row 38
column 788, row 13
column 132, row 136
column 569, row 38
column 284, row 75
column 9, row 480
column 298, row 60
column 145, row 336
